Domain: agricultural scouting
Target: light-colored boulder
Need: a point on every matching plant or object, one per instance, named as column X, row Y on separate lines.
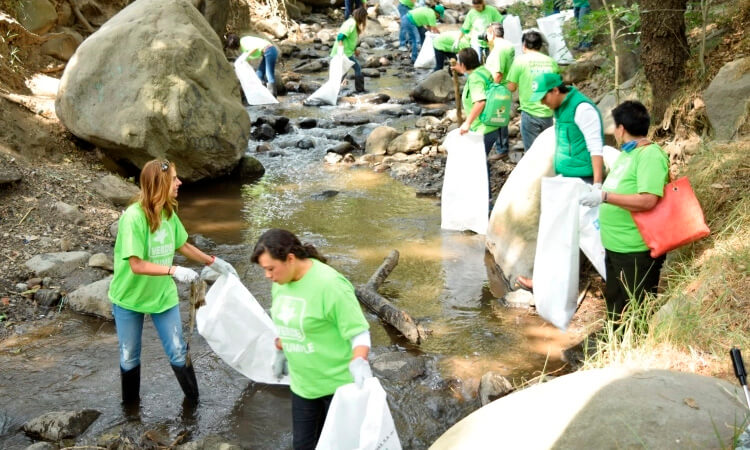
column 493, row 386
column 154, row 82
column 37, row 16
column 212, row 442
column 408, row 142
column 606, row 409
column 728, row 99
column 57, row 264
column 115, row 189
column 436, row 88
column 58, row 425
column 69, row 212
column 102, row 261
column 92, row 299
column 378, row 140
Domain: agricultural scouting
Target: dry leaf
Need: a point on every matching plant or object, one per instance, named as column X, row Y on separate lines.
column 691, row 403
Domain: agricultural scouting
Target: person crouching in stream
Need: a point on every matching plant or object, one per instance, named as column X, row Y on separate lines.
column 324, row 338
column 347, row 40
column 148, row 234
column 255, row 48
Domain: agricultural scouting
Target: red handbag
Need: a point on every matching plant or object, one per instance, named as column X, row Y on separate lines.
column 676, row 220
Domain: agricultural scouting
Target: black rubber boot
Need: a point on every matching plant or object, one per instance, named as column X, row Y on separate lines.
column 131, row 385
column 359, row 83
column 186, row 377
column 271, row 88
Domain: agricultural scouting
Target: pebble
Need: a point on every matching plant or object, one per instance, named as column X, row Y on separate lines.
column 22, row 287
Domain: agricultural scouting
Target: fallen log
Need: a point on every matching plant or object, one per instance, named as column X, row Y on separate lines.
column 400, row 320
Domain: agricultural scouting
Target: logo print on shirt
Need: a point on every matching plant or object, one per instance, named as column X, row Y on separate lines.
column 159, row 235
column 289, row 318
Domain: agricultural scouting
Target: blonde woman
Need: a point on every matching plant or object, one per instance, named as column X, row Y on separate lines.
column 149, row 233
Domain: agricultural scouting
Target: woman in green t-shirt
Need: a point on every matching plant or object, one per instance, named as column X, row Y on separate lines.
column 323, row 335
column 148, row 234
column 635, row 183
column 347, row 40
column 255, row 48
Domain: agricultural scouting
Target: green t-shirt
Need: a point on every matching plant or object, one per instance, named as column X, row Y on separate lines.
column 422, row 16
column 500, row 58
column 475, row 90
column 317, row 317
column 476, row 22
column 444, row 41
column 145, row 293
column 253, row 46
column 351, row 34
column 408, row 3
column 524, row 69
column 642, row 170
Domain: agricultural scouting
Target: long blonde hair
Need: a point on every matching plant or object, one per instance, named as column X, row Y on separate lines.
column 156, row 184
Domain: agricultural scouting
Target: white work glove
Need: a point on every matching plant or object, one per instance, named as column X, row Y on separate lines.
column 223, row 267
column 360, row 370
column 280, row 366
column 184, row 275
column 591, row 198
column 597, row 185
column 455, row 44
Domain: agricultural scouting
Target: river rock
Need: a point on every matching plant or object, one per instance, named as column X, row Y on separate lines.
column 379, row 139
column 102, row 261
column 493, row 386
column 436, row 88
column 118, row 191
column 249, row 169
column 307, row 123
column 58, row 425
column 37, row 16
column 580, row 71
column 333, row 158
column 42, row 445
column 210, row 443
column 56, row 264
column 274, row 26
column 607, row 408
column 154, row 82
column 727, row 99
column 351, row 119
column 69, row 212
column 310, row 67
column 425, row 121
column 371, row 73
column 408, row 142
column 9, row 175
column 398, row 366
column 305, row 143
column 61, row 45
column 375, row 98
column 342, row 148
column 47, row 297
column 264, row 132
column 92, row 299
column 325, row 195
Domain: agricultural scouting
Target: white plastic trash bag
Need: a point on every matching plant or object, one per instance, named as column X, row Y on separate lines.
column 556, row 260
column 551, row 27
column 465, row 199
column 238, row 329
column 426, row 57
column 255, row 92
column 329, row 92
column 388, row 8
column 359, row 419
column 513, row 32
column 590, row 239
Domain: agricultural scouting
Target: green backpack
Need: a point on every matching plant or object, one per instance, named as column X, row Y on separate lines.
column 496, row 112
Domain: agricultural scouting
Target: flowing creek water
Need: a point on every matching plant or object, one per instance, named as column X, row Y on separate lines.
column 440, row 279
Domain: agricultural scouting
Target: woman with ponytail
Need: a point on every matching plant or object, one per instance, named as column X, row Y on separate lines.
column 148, row 234
column 324, row 338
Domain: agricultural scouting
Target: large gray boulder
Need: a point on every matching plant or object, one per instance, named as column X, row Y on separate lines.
column 58, row 425
column 607, row 408
column 57, row 264
column 378, row 140
column 92, row 299
column 728, row 98
column 436, row 88
column 408, row 142
column 152, row 82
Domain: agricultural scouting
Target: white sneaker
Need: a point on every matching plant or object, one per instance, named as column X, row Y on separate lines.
column 402, row 49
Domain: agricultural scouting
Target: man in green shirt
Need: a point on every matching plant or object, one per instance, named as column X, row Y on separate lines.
column 475, row 24
column 535, row 117
column 415, row 23
column 404, row 6
column 443, row 45
column 498, row 63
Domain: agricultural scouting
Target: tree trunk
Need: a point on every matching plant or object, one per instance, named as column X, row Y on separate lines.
column 664, row 50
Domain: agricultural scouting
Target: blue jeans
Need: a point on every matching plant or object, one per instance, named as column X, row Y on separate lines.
column 402, row 10
column 414, row 34
column 348, row 7
column 579, row 12
column 308, row 416
column 502, row 145
column 489, row 141
column 129, row 326
column 267, row 67
column 440, row 57
column 531, row 127
column 357, row 68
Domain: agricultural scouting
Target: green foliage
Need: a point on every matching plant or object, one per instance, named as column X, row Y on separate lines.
column 526, row 12
column 595, row 26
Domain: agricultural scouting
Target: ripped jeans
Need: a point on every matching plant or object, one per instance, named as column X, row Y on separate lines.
column 129, row 326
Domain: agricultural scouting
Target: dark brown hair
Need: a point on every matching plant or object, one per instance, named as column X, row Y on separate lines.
column 280, row 243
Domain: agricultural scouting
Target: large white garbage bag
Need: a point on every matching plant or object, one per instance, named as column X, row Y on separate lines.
column 426, row 57
column 465, row 200
column 238, row 329
column 556, row 260
column 551, row 27
column 255, row 92
column 359, row 419
column 590, row 238
column 513, row 32
column 329, row 92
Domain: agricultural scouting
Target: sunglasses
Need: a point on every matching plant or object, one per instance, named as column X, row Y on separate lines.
column 165, row 165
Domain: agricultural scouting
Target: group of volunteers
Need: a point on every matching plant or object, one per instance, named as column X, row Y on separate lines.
column 323, row 337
